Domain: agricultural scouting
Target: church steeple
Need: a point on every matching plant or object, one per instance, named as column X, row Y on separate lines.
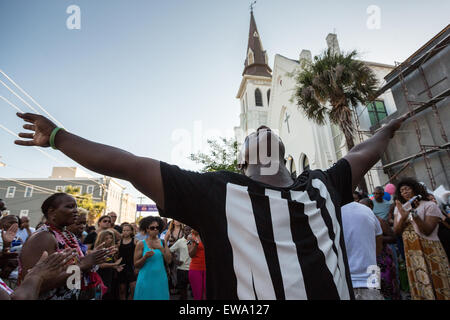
column 256, row 62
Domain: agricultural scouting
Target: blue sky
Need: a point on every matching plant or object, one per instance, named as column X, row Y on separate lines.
column 140, row 71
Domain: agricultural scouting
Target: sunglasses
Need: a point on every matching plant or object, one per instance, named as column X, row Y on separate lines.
column 153, row 228
column 107, row 221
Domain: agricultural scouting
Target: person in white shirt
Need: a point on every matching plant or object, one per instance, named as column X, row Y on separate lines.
column 363, row 240
column 25, row 230
column 183, row 262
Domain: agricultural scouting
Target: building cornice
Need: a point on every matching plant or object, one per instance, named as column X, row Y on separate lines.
column 250, row 77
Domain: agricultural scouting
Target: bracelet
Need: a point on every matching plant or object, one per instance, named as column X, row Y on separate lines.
column 53, row 135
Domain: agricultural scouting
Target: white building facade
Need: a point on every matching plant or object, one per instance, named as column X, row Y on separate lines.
column 308, row 145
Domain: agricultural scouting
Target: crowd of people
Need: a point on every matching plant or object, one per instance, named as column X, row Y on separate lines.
column 406, row 237
column 159, row 259
column 259, row 235
column 167, row 256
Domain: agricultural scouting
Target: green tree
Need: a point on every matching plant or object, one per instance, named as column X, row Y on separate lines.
column 223, row 155
column 85, row 200
column 338, row 80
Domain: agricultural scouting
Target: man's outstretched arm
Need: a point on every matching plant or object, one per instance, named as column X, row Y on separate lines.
column 365, row 155
column 143, row 173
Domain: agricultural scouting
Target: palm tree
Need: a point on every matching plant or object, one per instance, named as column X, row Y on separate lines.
column 337, row 80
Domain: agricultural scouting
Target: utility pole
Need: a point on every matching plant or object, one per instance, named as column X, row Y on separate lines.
column 140, row 202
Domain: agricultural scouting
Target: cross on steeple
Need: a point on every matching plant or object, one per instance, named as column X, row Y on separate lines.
column 287, row 121
column 252, row 5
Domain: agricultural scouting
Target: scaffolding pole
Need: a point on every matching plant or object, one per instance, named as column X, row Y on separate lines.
column 434, row 108
column 409, row 103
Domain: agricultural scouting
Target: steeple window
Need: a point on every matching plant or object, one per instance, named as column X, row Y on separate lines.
column 258, row 98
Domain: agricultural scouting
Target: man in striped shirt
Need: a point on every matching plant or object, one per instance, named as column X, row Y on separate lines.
column 266, row 235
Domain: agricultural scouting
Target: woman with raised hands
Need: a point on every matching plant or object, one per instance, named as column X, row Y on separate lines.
column 60, row 211
column 46, row 268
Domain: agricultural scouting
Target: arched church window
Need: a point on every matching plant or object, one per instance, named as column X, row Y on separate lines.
column 258, row 98
column 251, row 57
column 305, row 163
column 268, row 96
column 291, row 167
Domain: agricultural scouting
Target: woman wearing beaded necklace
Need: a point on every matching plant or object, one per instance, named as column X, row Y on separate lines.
column 60, row 211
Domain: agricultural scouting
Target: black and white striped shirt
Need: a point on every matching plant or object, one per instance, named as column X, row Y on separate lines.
column 266, row 242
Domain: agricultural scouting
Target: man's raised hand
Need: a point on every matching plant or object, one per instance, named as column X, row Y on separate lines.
column 42, row 128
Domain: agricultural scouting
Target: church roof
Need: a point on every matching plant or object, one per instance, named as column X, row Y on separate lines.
column 255, row 52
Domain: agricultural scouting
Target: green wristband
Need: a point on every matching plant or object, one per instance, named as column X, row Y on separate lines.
column 53, row 135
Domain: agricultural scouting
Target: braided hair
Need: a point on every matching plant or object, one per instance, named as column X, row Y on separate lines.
column 51, row 202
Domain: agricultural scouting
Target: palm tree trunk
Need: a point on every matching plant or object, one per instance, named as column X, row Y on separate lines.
column 350, row 144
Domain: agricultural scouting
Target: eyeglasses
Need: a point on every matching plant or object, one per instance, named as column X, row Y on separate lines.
column 153, row 228
column 107, row 221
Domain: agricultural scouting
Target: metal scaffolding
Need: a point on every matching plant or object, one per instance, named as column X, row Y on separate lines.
column 425, row 150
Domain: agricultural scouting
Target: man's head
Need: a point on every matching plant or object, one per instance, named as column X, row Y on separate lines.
column 2, row 205
column 356, row 196
column 367, row 202
column 113, row 216
column 262, row 149
column 25, row 223
column 187, row 231
column 164, row 220
column 378, row 194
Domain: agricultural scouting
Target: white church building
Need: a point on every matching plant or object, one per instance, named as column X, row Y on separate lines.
column 266, row 98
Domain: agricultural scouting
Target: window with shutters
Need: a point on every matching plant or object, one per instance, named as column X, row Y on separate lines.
column 377, row 112
column 28, row 192
column 10, row 192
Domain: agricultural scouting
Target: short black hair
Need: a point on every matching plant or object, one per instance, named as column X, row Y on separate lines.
column 368, row 201
column 358, row 194
column 3, row 220
column 2, row 207
column 147, row 221
column 417, row 188
column 51, row 202
column 90, row 228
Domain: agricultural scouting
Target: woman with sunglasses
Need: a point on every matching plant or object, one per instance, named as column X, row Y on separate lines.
column 104, row 223
column 149, row 257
